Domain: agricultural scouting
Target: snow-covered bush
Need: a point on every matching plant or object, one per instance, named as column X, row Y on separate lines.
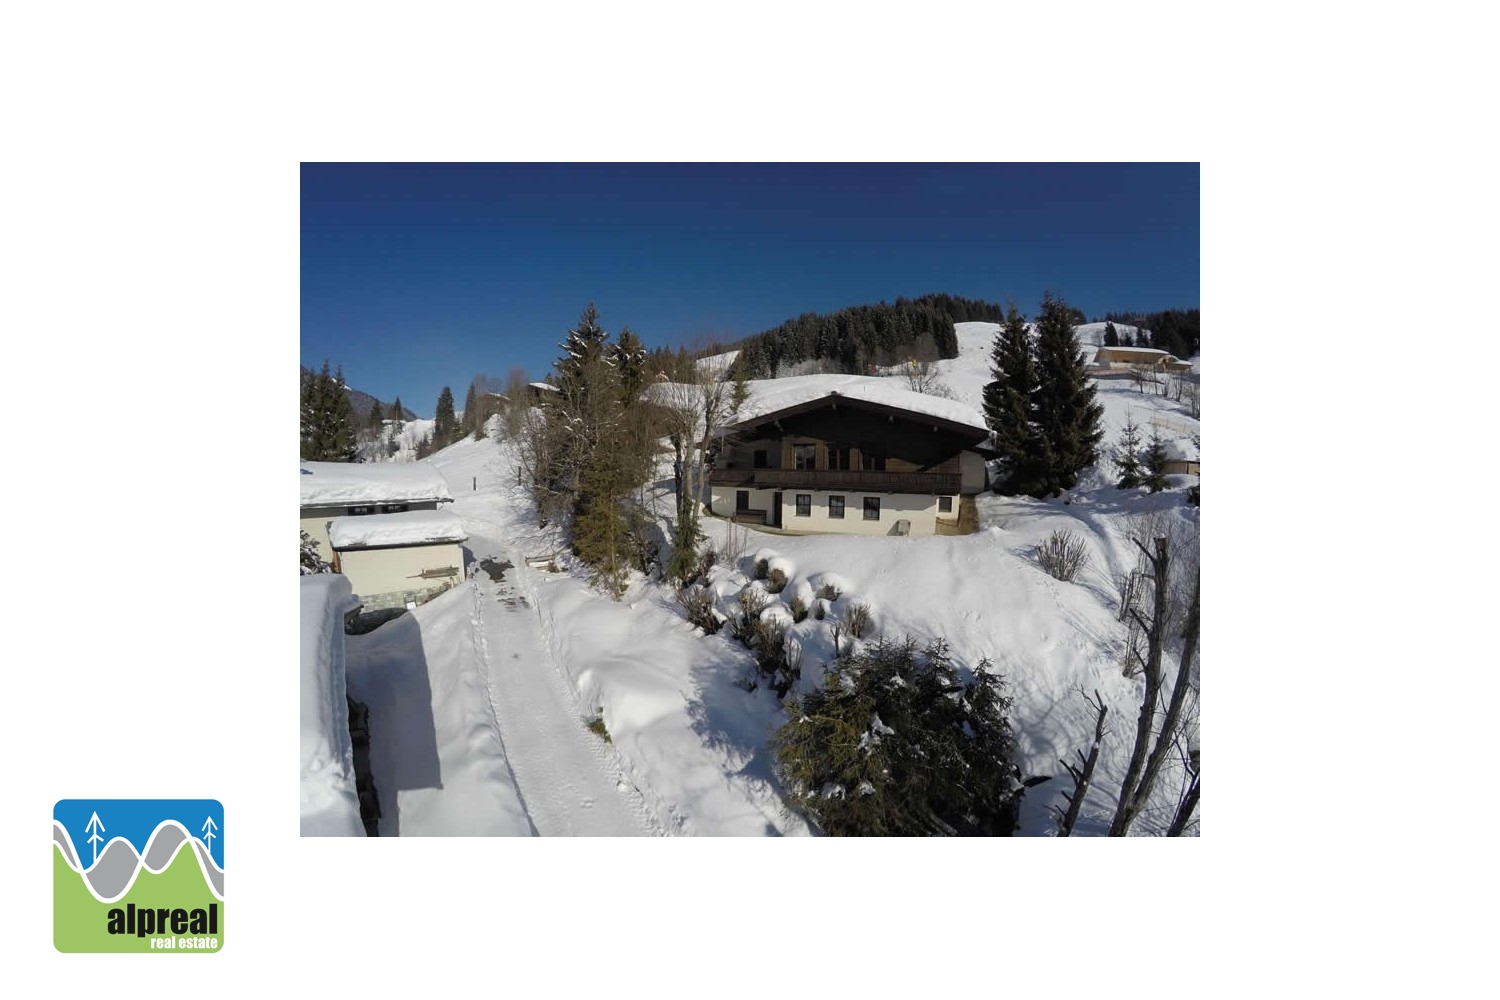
column 1062, row 555
column 312, row 562
column 896, row 743
column 858, row 620
column 698, row 602
column 775, row 581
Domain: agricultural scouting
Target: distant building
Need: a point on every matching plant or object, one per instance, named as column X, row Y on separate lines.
column 858, row 457
column 1182, row 457
column 1148, row 358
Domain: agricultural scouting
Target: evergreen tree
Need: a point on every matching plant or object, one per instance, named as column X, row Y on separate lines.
column 471, row 411
column 444, row 424
column 897, row 743
column 377, row 418
column 399, row 414
column 628, row 355
column 741, row 391
column 1009, row 407
column 1067, row 415
column 1111, row 335
column 1127, row 454
column 585, row 343
column 312, row 559
column 327, row 418
column 1156, row 463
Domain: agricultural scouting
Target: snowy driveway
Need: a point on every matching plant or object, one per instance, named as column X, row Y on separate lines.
column 568, row 777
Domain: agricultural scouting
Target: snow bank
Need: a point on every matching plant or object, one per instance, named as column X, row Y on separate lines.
column 330, row 804
column 334, row 483
column 413, row 527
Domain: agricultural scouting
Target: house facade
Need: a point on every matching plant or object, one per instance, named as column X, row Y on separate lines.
column 871, row 464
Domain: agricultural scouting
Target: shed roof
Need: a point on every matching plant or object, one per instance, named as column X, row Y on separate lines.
column 1181, row 450
column 339, row 483
column 412, row 527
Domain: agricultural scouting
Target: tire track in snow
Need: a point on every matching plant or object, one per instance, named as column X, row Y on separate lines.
column 482, row 660
column 570, row 780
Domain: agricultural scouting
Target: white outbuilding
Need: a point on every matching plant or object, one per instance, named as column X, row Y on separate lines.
column 393, row 560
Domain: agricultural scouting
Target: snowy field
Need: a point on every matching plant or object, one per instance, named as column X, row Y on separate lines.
column 490, row 706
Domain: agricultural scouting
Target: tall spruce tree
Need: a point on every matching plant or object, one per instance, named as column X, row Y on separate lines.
column 377, row 418
column 1127, row 454
column 585, row 343
column 628, row 355
column 1156, row 463
column 1067, row 415
column 444, row 423
column 1010, row 410
column 400, row 415
column 327, row 418
column 471, row 411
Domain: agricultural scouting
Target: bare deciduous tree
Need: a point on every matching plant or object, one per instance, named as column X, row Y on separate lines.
column 1170, row 549
column 1082, row 777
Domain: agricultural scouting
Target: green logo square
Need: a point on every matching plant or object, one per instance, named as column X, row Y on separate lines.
column 138, row 875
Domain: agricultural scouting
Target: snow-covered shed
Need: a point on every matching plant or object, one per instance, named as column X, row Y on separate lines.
column 1148, row 358
column 357, row 489
column 395, row 559
column 330, row 799
column 1182, row 457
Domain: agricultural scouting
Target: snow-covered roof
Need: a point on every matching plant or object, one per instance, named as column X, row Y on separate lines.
column 769, row 396
column 412, row 527
column 544, row 385
column 1136, row 350
column 336, row 483
column 717, row 364
column 330, row 803
column 1181, row 450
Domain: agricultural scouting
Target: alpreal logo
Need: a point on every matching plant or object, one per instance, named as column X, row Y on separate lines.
column 138, row 875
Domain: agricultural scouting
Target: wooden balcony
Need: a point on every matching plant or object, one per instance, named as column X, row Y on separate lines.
column 935, row 483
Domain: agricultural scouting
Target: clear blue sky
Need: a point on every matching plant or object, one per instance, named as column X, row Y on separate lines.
column 416, row 276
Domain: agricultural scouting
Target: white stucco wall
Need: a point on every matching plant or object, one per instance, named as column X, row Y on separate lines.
column 723, row 500
column 382, row 571
column 920, row 509
column 971, row 469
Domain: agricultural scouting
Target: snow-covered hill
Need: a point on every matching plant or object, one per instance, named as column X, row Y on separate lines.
column 688, row 738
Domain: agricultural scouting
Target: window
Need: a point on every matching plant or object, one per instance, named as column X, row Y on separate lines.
column 804, row 456
column 364, row 509
column 945, row 505
column 872, row 508
column 394, row 508
column 836, row 507
column 741, row 499
column 838, row 456
column 760, row 458
column 804, row 505
column 872, row 457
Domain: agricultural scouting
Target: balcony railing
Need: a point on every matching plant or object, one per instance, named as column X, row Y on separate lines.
column 839, row 479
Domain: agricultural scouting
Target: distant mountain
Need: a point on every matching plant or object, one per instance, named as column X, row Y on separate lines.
column 363, row 402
